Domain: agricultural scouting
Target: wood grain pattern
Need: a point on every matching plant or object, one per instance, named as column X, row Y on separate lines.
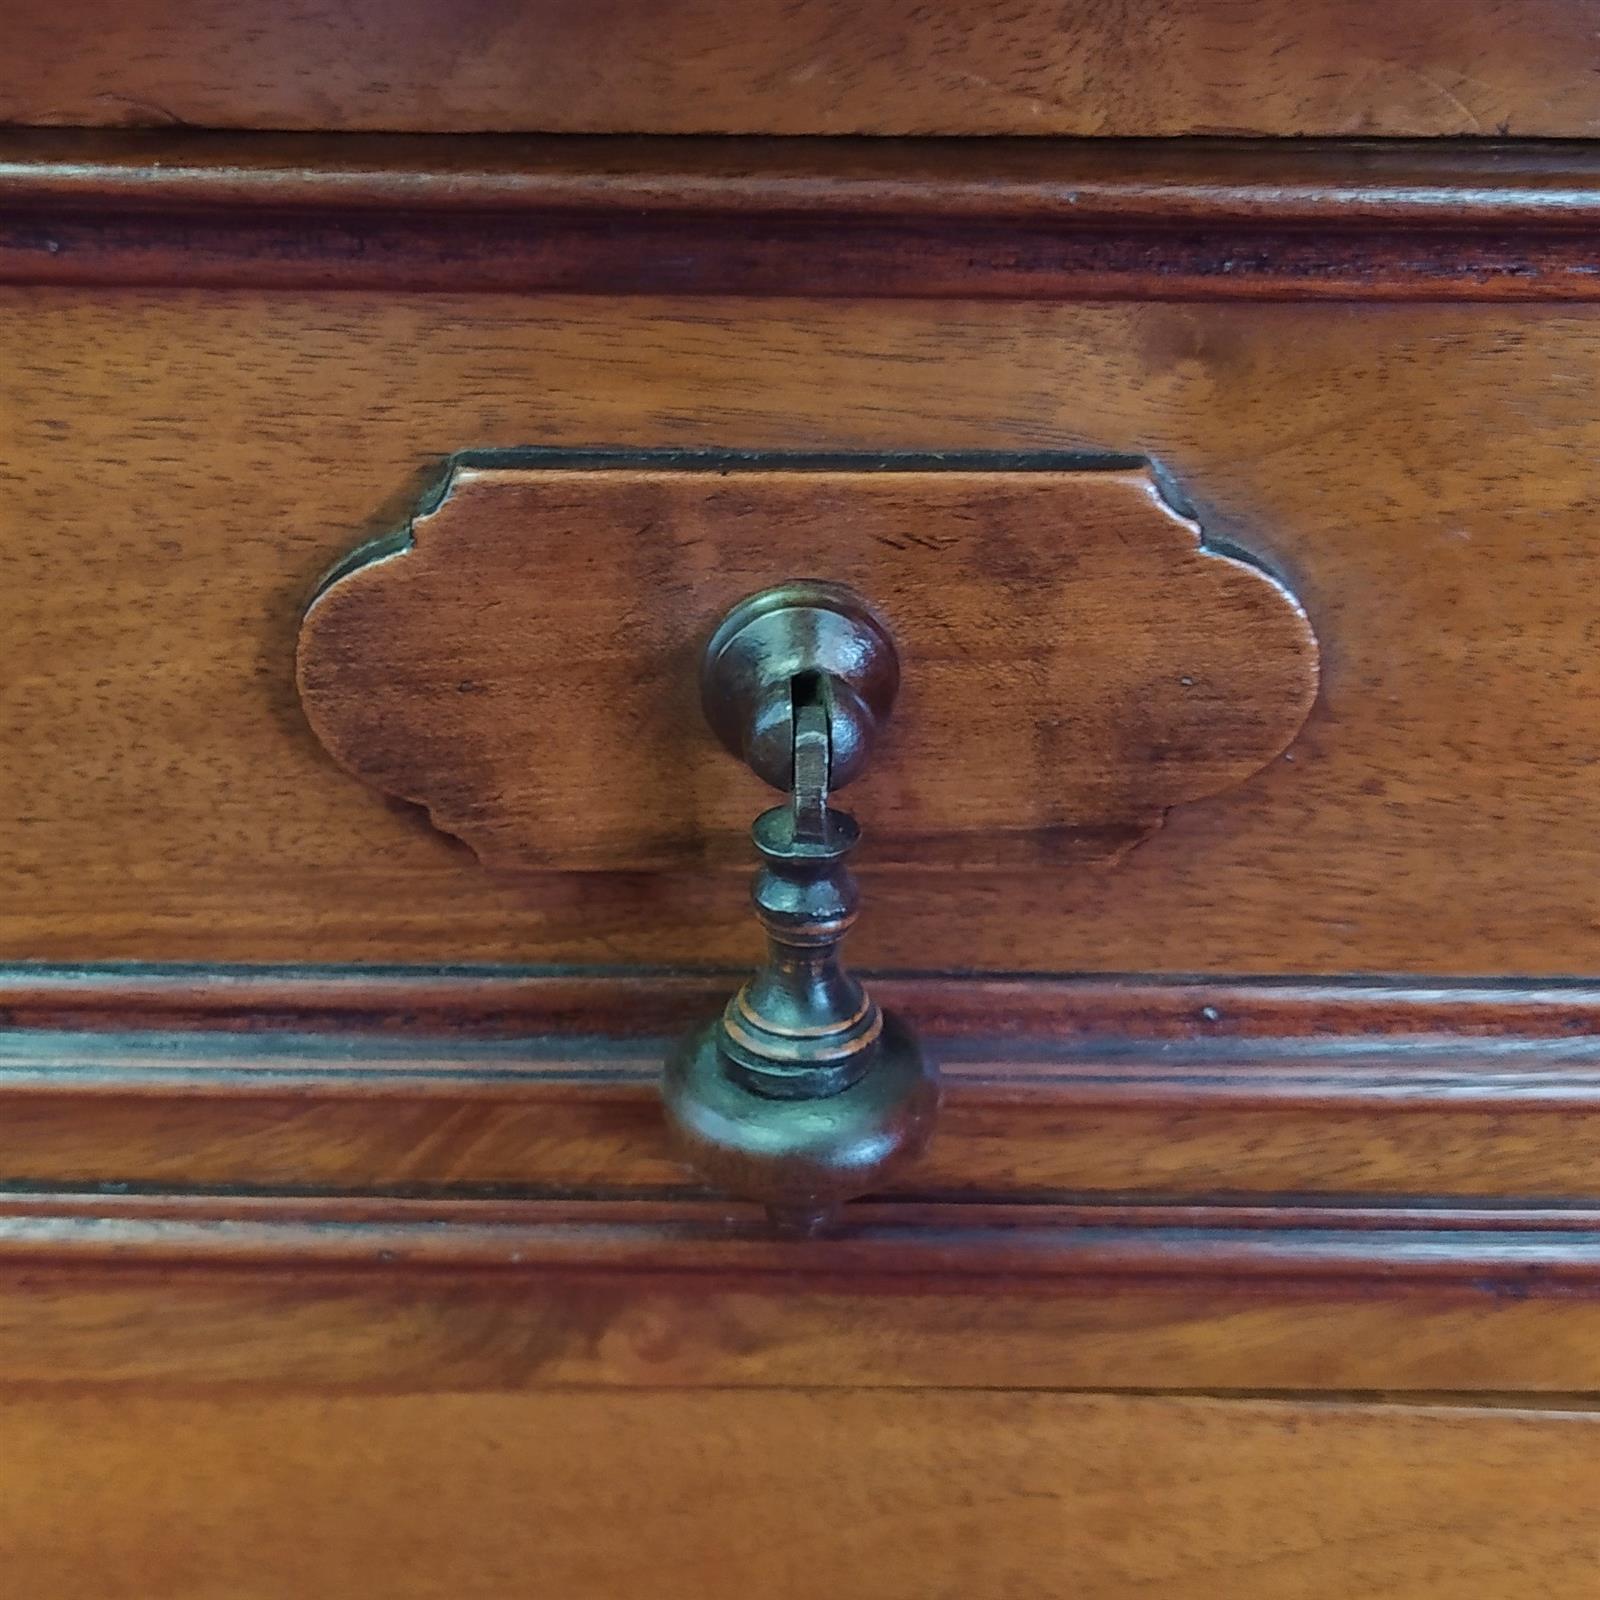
column 459, row 1179
column 1009, row 219
column 1275, row 1015
column 523, row 660
column 1422, row 186
column 560, row 1136
column 814, row 66
column 328, row 1282
column 1029, row 1496
column 875, row 1246
column 191, row 1323
column 1419, row 474
column 547, row 1084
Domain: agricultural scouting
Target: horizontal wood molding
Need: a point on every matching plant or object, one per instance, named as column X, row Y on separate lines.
column 485, row 1294
column 472, row 1080
column 1509, row 1249
column 1020, row 219
column 1137, row 181
column 613, row 1002
column 395, row 1179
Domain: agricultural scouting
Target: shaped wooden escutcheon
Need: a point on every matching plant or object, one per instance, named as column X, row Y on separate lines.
column 523, row 660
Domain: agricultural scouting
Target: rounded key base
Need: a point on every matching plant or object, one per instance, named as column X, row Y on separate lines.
column 800, row 1158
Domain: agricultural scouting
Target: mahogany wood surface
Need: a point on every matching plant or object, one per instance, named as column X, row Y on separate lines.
column 383, row 1280
column 1100, row 1130
column 272, row 1295
column 523, row 659
column 852, row 218
column 180, row 468
column 1149, row 182
column 616, row 1004
column 367, row 1181
column 178, row 1290
column 468, row 1082
column 1477, row 67
column 122, row 1496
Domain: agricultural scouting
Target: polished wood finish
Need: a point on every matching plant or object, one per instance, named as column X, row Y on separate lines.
column 523, row 660
column 386, row 1280
column 460, row 1179
column 546, row 1084
column 1304, row 183
column 1144, row 67
column 232, row 1114
column 486, row 1003
column 1016, row 219
column 166, row 798
column 1032, row 1496
column 874, row 1246
column 384, row 1294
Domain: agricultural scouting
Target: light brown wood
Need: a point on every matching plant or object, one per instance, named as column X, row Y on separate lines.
column 461, row 1292
column 1143, row 67
column 524, row 661
column 366, row 1330
column 1281, row 1023
column 383, row 1151
column 356, row 1282
column 889, row 1496
column 558, row 1136
column 615, row 1141
column 1420, row 475
column 352, row 1081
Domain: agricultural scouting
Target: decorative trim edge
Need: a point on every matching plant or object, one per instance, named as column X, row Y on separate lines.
column 1027, row 219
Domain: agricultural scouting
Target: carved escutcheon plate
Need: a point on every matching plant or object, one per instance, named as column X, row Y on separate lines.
column 523, row 659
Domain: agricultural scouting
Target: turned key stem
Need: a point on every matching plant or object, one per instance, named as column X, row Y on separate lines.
column 802, row 1093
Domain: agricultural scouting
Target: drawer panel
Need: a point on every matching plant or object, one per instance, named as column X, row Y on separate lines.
column 1142, row 67
column 117, row 1497
column 182, row 465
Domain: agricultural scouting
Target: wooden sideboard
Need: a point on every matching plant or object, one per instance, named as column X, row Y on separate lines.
column 395, row 399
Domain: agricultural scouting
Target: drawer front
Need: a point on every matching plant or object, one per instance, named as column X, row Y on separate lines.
column 345, row 1276
column 1143, row 67
column 788, row 1495
column 182, row 466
